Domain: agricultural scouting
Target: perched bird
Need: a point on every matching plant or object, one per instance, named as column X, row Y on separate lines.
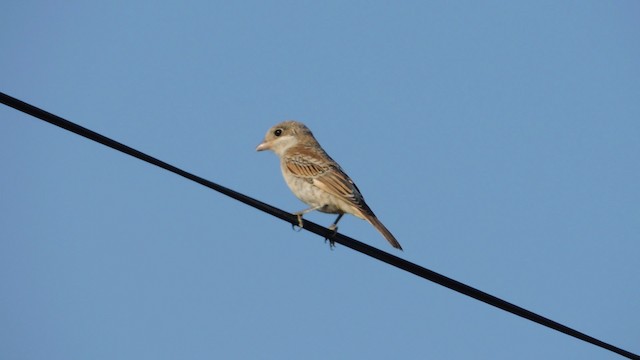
column 315, row 178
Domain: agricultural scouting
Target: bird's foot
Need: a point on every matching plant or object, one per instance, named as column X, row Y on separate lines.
column 332, row 243
column 300, row 223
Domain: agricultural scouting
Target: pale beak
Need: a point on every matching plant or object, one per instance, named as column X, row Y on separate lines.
column 263, row 146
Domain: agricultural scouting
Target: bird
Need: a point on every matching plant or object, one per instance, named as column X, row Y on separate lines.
column 316, row 179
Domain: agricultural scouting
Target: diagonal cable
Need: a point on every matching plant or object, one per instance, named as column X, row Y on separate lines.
column 317, row 229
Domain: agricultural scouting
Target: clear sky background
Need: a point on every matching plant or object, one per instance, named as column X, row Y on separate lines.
column 499, row 141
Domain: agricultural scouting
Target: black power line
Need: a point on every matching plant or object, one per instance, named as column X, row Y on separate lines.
column 317, row 229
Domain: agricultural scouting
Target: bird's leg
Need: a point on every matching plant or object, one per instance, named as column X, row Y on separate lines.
column 300, row 213
column 334, row 228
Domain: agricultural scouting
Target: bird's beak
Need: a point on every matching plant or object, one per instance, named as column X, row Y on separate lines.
column 263, row 146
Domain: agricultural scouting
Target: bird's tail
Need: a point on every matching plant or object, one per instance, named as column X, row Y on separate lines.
column 373, row 220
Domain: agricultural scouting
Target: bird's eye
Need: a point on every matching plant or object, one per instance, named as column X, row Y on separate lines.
column 277, row 132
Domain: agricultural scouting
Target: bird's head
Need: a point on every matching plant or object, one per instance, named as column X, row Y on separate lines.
column 285, row 135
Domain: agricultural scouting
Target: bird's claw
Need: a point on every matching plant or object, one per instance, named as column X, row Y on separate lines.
column 332, row 243
column 300, row 223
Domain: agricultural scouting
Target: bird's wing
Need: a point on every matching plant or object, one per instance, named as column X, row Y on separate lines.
column 327, row 175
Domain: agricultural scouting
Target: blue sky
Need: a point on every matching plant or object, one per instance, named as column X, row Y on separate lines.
column 498, row 141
